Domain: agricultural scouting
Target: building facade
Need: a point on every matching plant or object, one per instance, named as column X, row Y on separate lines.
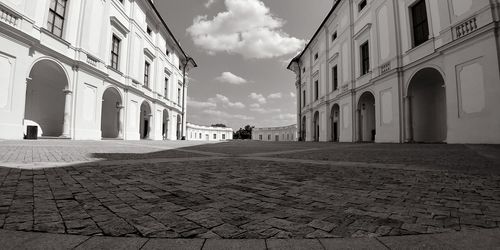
column 402, row 71
column 288, row 133
column 88, row 70
column 205, row 133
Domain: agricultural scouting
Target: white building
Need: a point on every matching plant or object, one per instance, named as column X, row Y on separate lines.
column 88, row 70
column 402, row 71
column 205, row 133
column 287, row 133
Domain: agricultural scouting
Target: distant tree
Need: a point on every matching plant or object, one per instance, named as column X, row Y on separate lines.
column 243, row 133
column 219, row 125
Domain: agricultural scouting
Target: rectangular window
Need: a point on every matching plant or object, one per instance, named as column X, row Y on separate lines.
column 55, row 22
column 304, row 70
column 165, row 89
column 215, row 136
column 361, row 5
column 149, row 31
column 146, row 74
column 316, row 56
column 179, row 96
column 115, row 52
column 268, row 137
column 223, row 136
column 335, row 77
column 365, row 59
column 420, row 23
column 316, row 90
column 303, row 98
column 334, row 36
column 200, row 136
column 260, row 137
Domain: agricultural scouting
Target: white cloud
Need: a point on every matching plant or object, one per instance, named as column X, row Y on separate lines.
column 228, row 77
column 226, row 102
column 265, row 111
column 258, row 97
column 286, row 117
column 293, row 95
column 247, row 28
column 209, row 3
column 255, row 106
column 275, row 96
column 197, row 104
column 222, row 114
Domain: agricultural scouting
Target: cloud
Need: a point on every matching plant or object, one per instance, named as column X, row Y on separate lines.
column 255, row 106
column 222, row 114
column 226, row 102
column 209, row 3
column 293, row 95
column 228, row 77
column 286, row 117
column 197, row 104
column 265, row 111
column 258, row 97
column 247, row 28
column 275, row 96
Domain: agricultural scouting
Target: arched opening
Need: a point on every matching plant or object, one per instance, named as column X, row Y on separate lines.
column 165, row 124
column 303, row 129
column 366, row 118
column 145, row 127
column 179, row 127
column 48, row 100
column 335, row 121
column 316, row 126
column 426, row 107
column 111, row 120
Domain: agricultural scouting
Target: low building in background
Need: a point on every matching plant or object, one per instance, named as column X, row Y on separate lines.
column 207, row 133
column 288, row 133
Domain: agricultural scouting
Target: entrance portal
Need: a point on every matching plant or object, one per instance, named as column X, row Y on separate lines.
column 48, row 100
column 316, row 126
column 335, row 120
column 426, row 107
column 111, row 117
column 146, row 115
column 165, row 124
column 366, row 118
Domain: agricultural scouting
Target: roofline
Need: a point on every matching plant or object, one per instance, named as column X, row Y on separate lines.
column 188, row 58
column 295, row 59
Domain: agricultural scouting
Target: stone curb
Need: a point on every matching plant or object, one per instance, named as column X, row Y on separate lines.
column 481, row 239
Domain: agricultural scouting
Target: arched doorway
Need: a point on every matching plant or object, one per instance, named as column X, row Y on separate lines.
column 145, row 127
column 366, row 118
column 111, row 116
column 303, row 129
column 179, row 128
column 426, row 107
column 48, row 100
column 316, row 126
column 165, row 124
column 335, row 121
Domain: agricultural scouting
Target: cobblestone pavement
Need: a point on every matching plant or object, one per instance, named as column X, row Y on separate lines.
column 249, row 190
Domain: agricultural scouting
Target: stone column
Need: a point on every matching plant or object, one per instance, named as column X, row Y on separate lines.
column 120, row 120
column 67, row 114
column 408, row 119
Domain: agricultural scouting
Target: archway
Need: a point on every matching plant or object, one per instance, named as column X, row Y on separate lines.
column 426, row 107
column 111, row 116
column 48, row 100
column 335, row 121
column 316, row 126
column 366, row 118
column 165, row 124
column 145, row 127
column 179, row 127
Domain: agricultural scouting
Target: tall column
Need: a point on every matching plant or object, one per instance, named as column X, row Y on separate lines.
column 408, row 119
column 67, row 114
column 120, row 120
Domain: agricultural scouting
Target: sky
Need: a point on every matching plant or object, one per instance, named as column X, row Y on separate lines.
column 242, row 48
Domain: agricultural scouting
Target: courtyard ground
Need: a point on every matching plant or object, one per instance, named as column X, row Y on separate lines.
column 373, row 193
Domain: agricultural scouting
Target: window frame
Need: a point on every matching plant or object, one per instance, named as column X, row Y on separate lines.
column 147, row 73
column 362, row 5
column 115, row 54
column 334, row 36
column 335, row 77
column 51, row 24
column 422, row 25
column 165, row 87
column 364, row 54
column 316, row 90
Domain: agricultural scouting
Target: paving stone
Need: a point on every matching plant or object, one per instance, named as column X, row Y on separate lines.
column 357, row 243
column 25, row 240
column 105, row 243
column 173, row 244
column 293, row 244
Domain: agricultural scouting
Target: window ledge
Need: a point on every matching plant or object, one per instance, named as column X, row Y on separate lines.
column 60, row 39
column 419, row 46
column 115, row 70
